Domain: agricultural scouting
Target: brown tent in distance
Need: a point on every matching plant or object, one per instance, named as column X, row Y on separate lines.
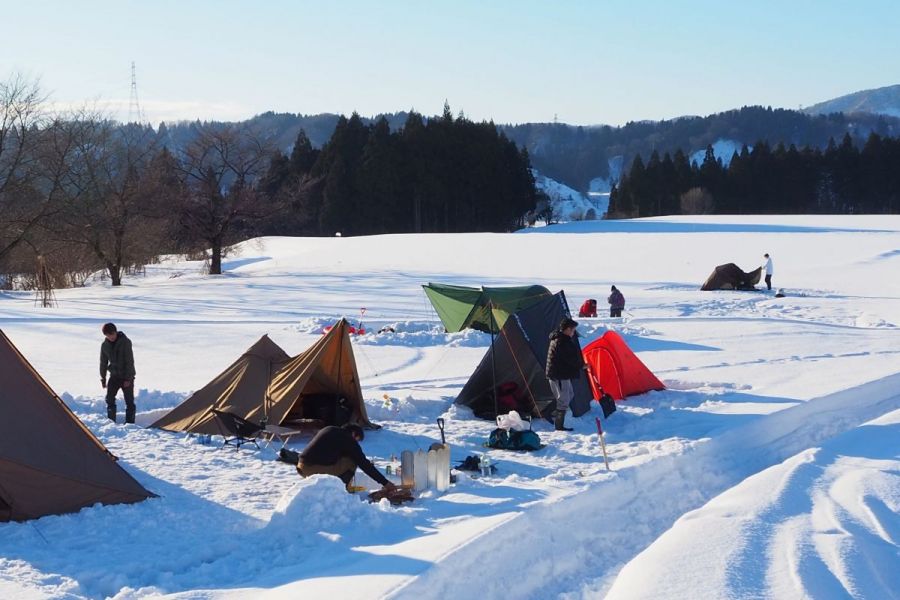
column 731, row 277
column 50, row 463
column 239, row 389
column 320, row 383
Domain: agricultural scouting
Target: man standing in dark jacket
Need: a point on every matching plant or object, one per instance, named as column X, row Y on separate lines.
column 336, row 451
column 564, row 363
column 117, row 358
column 616, row 303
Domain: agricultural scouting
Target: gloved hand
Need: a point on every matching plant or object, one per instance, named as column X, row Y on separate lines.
column 103, row 382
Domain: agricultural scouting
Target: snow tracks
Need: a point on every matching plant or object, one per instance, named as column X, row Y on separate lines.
column 578, row 543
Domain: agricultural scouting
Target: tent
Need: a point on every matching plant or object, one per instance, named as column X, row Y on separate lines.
column 267, row 384
column 320, row 383
column 616, row 370
column 513, row 366
column 484, row 308
column 50, row 463
column 731, row 277
column 239, row 389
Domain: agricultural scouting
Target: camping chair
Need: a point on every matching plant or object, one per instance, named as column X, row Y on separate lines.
column 241, row 430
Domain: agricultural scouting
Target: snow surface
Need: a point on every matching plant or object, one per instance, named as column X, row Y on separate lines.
column 722, row 149
column 769, row 468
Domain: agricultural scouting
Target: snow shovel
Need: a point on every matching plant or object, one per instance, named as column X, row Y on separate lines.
column 602, row 442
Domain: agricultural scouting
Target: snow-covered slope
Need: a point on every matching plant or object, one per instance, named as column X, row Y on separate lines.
column 570, row 204
column 882, row 101
column 776, row 436
column 722, row 149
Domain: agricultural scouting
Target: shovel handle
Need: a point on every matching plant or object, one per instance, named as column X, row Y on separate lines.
column 440, row 423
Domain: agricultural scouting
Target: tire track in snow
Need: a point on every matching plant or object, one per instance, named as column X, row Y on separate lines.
column 575, row 543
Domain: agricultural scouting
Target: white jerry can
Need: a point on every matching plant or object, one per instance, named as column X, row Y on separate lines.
column 407, row 468
column 420, row 470
column 432, row 469
column 443, row 479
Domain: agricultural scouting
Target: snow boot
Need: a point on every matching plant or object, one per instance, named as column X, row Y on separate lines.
column 559, row 420
column 111, row 412
column 129, row 414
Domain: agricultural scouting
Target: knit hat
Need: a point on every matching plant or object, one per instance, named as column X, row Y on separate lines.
column 566, row 323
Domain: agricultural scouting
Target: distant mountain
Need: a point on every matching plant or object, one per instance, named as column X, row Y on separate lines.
column 590, row 159
column 880, row 101
column 578, row 156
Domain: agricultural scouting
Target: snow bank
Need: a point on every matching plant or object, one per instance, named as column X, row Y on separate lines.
column 320, row 503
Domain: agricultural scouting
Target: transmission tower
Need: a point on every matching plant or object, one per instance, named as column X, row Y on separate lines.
column 134, row 106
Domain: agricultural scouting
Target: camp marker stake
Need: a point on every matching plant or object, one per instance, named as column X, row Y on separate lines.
column 602, row 443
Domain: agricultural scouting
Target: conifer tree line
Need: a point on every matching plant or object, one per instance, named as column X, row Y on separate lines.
column 841, row 179
column 81, row 194
column 440, row 175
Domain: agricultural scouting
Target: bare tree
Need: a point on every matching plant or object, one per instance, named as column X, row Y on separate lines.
column 219, row 171
column 111, row 192
column 24, row 198
column 697, row 201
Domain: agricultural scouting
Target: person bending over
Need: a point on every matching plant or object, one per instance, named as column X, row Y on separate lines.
column 336, row 451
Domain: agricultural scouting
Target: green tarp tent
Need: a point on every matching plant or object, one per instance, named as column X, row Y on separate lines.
column 484, row 308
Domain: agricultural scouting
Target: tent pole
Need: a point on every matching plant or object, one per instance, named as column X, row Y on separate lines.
column 492, row 323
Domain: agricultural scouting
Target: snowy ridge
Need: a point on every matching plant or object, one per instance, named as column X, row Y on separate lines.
column 669, row 487
column 883, row 101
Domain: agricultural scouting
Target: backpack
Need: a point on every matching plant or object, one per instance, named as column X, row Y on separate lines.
column 503, row 439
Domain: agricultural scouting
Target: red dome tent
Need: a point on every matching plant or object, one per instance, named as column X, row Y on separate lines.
column 616, row 369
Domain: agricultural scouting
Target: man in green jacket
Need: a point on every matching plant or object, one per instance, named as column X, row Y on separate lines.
column 117, row 358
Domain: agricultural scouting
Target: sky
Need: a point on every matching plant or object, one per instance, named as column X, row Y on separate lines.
column 579, row 62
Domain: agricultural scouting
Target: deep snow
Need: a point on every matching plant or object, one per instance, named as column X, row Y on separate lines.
column 767, row 469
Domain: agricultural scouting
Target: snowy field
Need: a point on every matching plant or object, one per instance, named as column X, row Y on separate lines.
column 769, row 468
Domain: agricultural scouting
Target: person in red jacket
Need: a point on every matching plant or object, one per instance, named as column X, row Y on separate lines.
column 588, row 309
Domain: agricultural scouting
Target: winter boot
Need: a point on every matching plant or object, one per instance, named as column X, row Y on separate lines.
column 111, row 412
column 129, row 414
column 559, row 420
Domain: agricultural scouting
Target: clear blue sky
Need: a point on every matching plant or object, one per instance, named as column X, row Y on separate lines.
column 587, row 62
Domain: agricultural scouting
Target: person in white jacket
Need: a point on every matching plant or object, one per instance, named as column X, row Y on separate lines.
column 768, row 269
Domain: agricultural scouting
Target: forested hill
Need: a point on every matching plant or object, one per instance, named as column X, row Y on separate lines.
column 575, row 155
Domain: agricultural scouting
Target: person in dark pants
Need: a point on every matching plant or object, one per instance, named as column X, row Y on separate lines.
column 336, row 451
column 616, row 302
column 117, row 357
column 564, row 363
column 769, row 270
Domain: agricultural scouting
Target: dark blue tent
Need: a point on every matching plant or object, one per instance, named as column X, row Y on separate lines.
column 513, row 367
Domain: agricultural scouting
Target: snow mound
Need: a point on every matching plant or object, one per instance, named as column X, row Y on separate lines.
column 421, row 334
column 144, row 399
column 404, row 409
column 320, row 503
column 314, row 324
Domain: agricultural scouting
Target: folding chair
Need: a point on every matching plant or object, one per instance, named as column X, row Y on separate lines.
column 241, row 430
